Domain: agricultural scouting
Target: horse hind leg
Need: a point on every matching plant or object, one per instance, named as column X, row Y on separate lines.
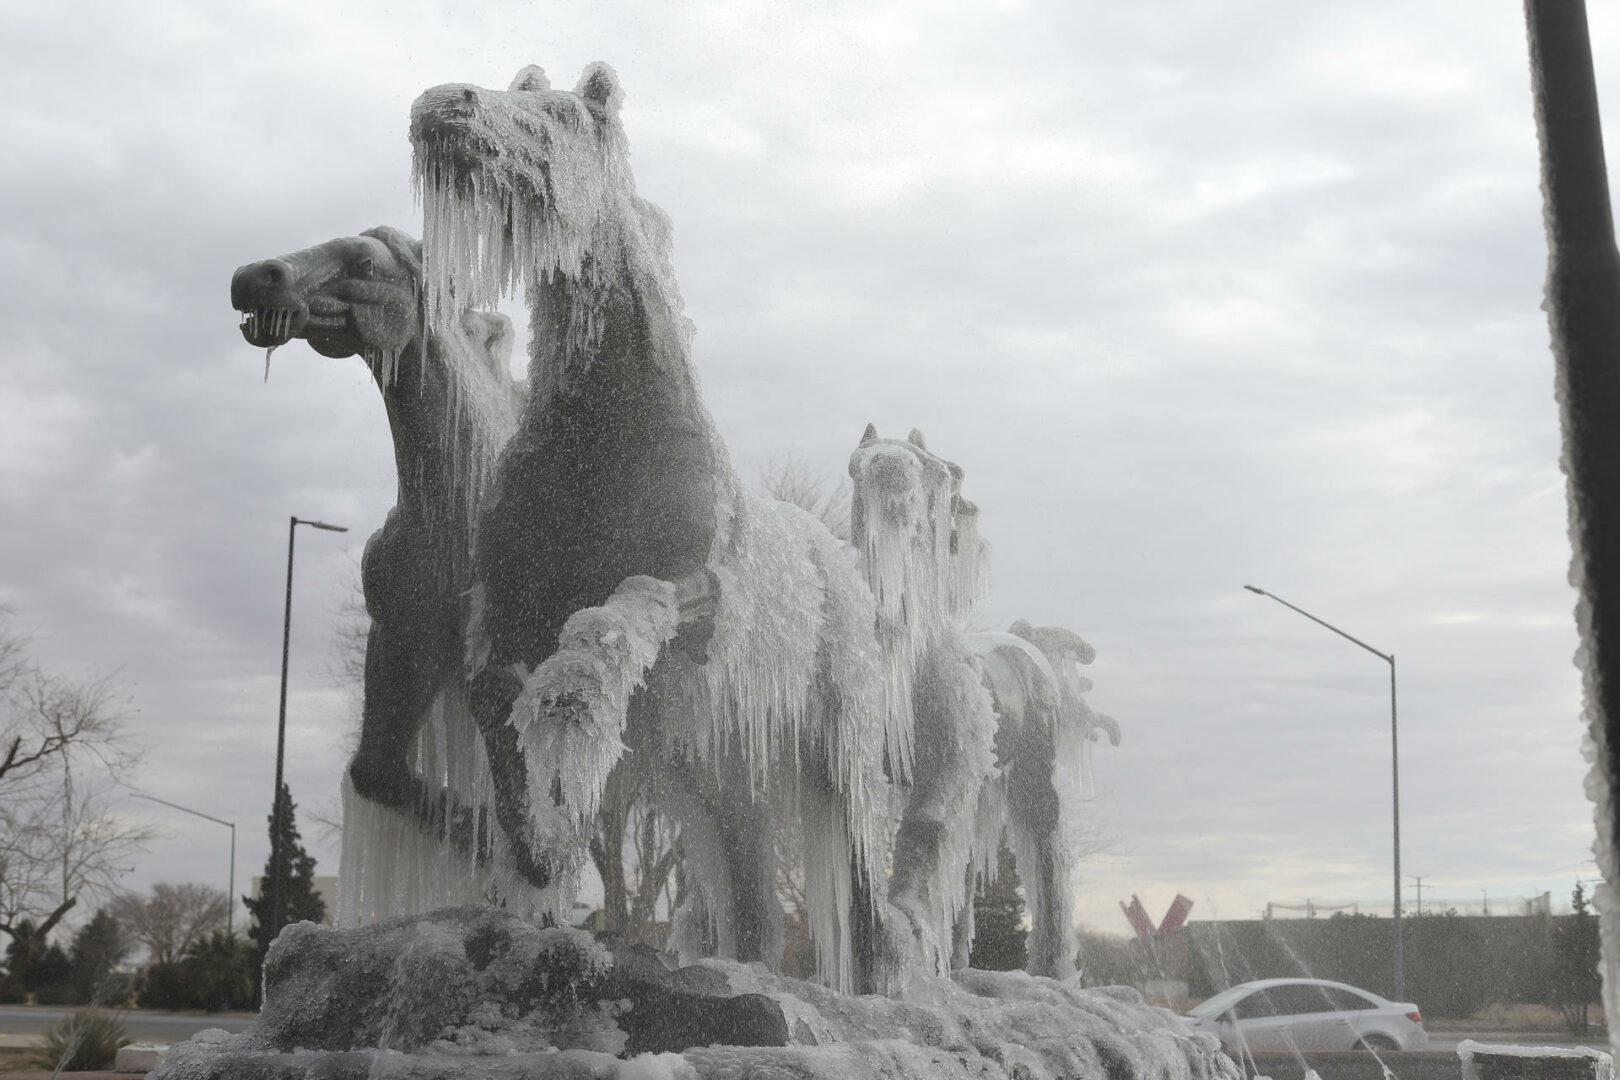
column 748, row 842
column 403, row 675
column 1036, row 812
column 492, row 693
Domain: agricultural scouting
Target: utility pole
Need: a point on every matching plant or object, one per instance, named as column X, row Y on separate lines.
column 1419, row 879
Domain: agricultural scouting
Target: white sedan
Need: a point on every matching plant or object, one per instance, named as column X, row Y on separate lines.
column 1283, row 1015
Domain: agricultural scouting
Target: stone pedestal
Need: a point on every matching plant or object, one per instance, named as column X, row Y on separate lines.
column 476, row 993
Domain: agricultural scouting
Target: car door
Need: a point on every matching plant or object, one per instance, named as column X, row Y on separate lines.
column 1357, row 1012
column 1255, row 1025
column 1315, row 1020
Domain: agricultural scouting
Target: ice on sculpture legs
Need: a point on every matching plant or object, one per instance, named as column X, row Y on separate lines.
column 571, row 714
column 933, row 851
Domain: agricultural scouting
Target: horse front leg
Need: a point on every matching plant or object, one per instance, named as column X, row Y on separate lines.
column 930, row 882
column 405, row 670
column 553, row 734
column 1036, row 812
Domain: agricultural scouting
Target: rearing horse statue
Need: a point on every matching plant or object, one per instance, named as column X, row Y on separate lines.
column 628, row 587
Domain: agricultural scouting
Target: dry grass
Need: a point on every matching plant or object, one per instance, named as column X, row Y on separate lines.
column 1521, row 1018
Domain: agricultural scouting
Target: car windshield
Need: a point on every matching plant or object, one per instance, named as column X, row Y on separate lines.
column 1220, row 1003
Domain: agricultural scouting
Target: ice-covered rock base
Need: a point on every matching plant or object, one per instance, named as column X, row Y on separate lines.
column 478, row 993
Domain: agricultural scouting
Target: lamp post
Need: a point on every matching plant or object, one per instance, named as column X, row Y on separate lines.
column 277, row 856
column 230, row 888
column 1395, row 773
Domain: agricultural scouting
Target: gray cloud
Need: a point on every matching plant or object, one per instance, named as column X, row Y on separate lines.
column 1197, row 295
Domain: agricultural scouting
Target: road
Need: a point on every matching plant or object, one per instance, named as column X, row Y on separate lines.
column 20, row 1023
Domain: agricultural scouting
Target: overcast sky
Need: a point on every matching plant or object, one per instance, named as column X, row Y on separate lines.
column 1199, row 295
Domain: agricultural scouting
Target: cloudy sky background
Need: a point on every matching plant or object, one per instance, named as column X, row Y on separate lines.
column 1199, row 295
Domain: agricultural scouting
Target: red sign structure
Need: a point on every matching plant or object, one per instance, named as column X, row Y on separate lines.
column 1137, row 916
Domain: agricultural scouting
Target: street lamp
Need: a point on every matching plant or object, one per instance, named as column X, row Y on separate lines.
column 230, row 889
column 277, row 856
column 1395, row 773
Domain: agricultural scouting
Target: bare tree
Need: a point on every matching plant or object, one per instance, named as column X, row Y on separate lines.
column 350, row 632
column 789, row 479
column 635, row 849
column 61, row 743
column 173, row 917
column 346, row 668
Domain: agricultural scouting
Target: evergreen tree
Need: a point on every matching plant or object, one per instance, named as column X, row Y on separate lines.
column 999, row 938
column 97, row 948
column 1574, row 982
column 19, row 958
column 218, row 972
column 34, row 963
column 299, row 900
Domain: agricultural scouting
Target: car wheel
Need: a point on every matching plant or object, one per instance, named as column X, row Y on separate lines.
column 1381, row 1044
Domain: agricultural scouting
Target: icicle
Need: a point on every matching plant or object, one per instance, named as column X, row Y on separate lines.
column 268, row 353
column 573, row 708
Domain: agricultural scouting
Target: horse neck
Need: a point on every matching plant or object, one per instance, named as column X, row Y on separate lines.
column 445, row 435
column 414, row 399
column 620, row 309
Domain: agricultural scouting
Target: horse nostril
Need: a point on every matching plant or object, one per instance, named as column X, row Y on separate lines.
column 470, row 96
column 275, row 274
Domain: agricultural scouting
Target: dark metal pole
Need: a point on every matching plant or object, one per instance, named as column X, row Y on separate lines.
column 1395, row 780
column 276, row 853
column 278, row 857
column 1583, row 311
column 1395, row 773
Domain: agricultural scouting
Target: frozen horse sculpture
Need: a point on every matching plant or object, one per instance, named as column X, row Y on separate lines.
column 451, row 405
column 918, row 546
column 628, row 582
column 993, row 712
column 733, row 644
column 1042, row 718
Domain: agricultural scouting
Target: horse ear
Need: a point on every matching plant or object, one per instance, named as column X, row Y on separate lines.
column 532, row 77
column 870, row 436
column 916, row 439
column 599, row 84
column 402, row 245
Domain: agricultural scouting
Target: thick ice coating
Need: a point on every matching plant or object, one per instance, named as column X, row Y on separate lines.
column 771, row 679
column 999, row 723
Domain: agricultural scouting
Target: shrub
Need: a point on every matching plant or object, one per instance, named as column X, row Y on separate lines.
column 60, row 994
column 116, row 991
column 216, row 973
column 1574, row 982
column 163, row 986
column 82, row 1042
column 219, row 972
column 97, row 948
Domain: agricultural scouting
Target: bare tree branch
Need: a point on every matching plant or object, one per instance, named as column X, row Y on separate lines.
column 64, row 742
column 169, row 920
column 790, row 480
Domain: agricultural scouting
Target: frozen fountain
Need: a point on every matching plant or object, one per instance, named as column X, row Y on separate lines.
column 574, row 586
